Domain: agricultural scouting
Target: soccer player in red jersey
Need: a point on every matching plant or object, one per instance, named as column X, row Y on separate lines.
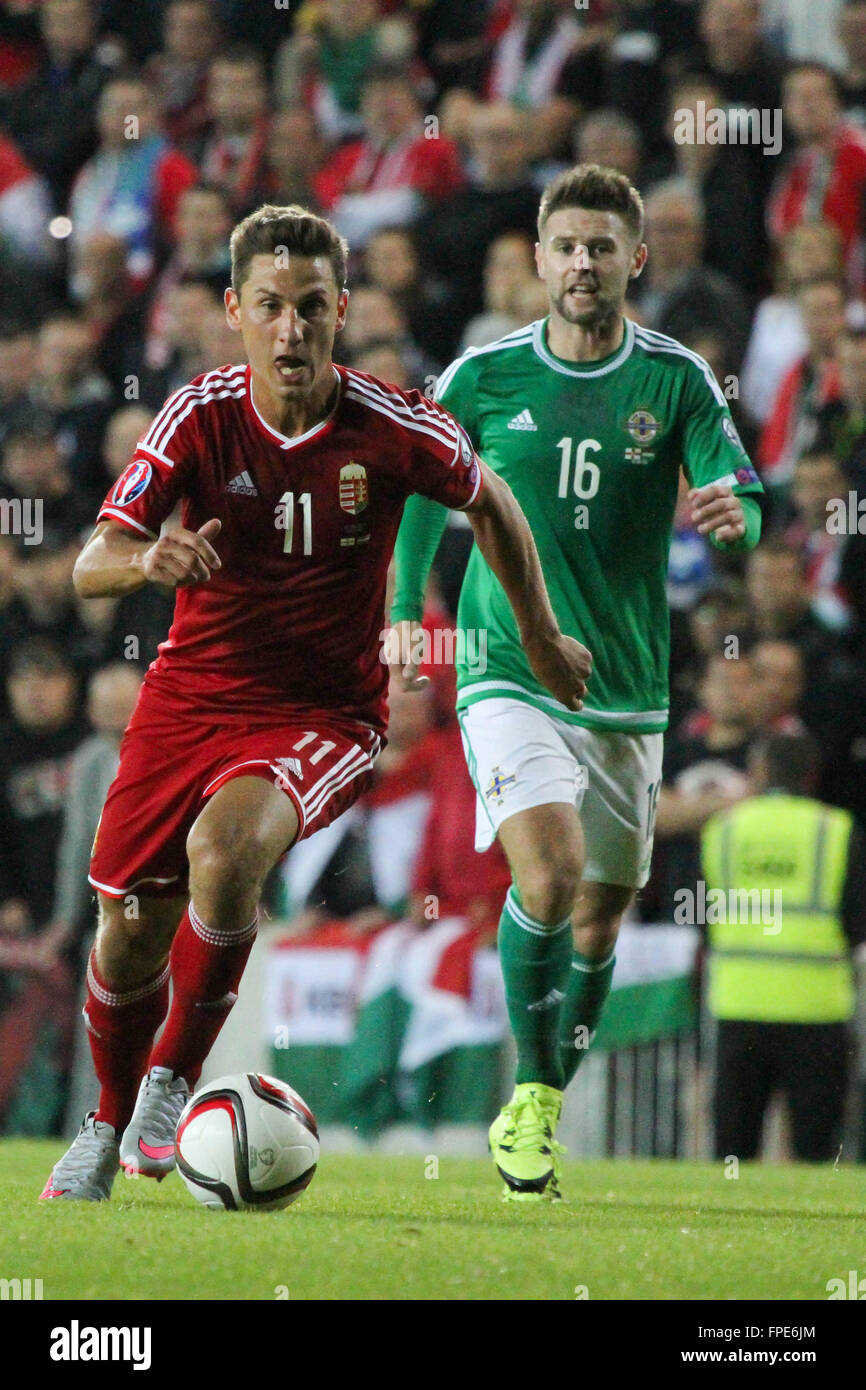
column 260, row 719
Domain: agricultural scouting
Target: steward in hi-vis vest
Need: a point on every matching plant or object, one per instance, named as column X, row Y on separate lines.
column 784, row 902
column 775, row 868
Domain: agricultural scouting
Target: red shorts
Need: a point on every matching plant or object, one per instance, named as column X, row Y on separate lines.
column 170, row 765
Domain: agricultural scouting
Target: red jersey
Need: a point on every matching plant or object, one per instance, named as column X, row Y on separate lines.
column 292, row 621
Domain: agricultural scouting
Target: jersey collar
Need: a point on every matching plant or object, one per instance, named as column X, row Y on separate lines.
column 284, row 440
column 584, row 369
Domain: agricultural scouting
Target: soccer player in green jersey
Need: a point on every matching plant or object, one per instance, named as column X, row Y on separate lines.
column 589, row 418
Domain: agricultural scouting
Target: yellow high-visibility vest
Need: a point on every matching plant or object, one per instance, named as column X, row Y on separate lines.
column 793, row 966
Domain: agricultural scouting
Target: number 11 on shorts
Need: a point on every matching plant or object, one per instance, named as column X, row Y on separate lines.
column 320, row 753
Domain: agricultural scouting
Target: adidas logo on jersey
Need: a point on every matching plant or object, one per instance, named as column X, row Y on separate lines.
column 292, row 765
column 523, row 421
column 243, row 485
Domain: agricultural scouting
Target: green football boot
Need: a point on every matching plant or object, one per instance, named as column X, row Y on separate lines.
column 523, row 1145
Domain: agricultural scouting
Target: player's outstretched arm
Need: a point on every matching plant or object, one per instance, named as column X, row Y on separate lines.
column 503, row 536
column 114, row 563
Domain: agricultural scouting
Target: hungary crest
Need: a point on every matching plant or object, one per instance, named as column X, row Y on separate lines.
column 353, row 488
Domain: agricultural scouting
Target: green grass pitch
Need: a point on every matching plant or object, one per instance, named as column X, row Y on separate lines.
column 378, row 1228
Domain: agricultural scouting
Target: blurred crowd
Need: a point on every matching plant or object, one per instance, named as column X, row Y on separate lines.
column 133, row 137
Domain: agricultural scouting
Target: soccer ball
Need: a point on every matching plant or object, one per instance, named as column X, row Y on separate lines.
column 247, row 1143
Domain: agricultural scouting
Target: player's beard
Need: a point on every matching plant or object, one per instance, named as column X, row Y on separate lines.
column 598, row 315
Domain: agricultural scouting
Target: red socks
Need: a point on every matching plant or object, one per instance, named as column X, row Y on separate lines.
column 206, row 969
column 120, row 1029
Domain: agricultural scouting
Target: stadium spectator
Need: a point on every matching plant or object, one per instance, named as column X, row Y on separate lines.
column 735, row 242
column 360, row 868
column 377, row 317
column 508, row 267
column 780, row 604
column 52, row 115
column 178, row 73
column 808, row 387
column 852, row 77
column 448, row 877
column 17, row 368
column 819, row 481
column 43, row 731
column 115, row 314
column 622, row 59
column 13, row 618
column 204, row 220
column 295, row 150
column 131, row 186
column 39, row 789
column 735, row 57
column 72, row 396
column 452, row 44
column 778, row 670
column 532, row 43
column 111, row 695
column 782, row 611
column 385, row 361
column 34, row 470
column 390, row 175
column 232, row 152
column 126, row 427
column 611, row 138
column 185, row 352
column 782, row 989
column 677, row 294
column 843, row 422
column 25, row 206
column 392, row 263
column 719, row 613
column 323, row 65
column 812, row 251
column 704, row 771
column 43, row 589
column 826, row 178
column 499, row 198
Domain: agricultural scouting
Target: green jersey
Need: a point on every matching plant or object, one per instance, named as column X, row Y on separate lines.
column 592, row 452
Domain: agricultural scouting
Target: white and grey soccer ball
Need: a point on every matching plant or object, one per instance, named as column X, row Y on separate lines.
column 247, row 1143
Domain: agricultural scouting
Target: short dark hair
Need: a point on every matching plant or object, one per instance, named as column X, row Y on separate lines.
column 294, row 228
column 598, row 188
column 38, row 654
column 215, row 190
column 239, row 55
column 792, row 761
column 814, row 65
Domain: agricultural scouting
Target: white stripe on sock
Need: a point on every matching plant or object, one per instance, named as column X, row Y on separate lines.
column 529, row 923
column 222, row 938
column 128, row 996
column 590, row 967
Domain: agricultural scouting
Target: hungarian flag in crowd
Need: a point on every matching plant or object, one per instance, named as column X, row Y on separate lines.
column 407, row 1025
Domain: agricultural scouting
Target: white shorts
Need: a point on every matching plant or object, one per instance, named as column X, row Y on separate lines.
column 520, row 757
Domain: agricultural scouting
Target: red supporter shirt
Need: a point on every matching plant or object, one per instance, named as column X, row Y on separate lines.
column 291, row 623
column 431, row 167
column 818, row 186
column 448, row 864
